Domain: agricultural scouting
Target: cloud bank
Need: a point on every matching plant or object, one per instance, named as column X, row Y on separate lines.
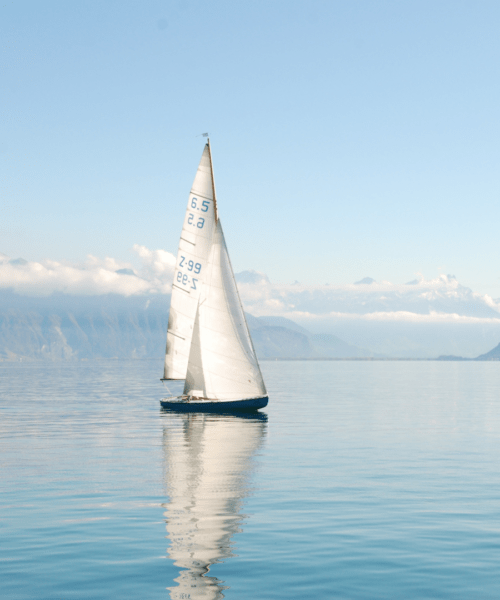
column 423, row 318
column 93, row 277
column 420, row 318
column 439, row 300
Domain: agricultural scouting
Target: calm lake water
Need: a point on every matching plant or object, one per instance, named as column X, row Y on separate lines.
column 360, row 480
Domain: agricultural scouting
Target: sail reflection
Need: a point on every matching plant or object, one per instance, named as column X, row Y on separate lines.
column 208, row 462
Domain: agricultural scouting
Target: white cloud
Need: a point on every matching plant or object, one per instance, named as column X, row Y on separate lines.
column 439, row 300
column 108, row 264
column 157, row 267
column 93, row 277
column 425, row 300
column 394, row 317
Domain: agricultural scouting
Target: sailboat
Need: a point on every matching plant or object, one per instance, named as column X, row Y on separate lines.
column 208, row 341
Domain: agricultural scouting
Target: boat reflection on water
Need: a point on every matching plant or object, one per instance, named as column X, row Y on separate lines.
column 208, row 462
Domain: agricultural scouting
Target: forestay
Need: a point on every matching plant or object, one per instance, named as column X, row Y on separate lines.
column 222, row 363
column 194, row 247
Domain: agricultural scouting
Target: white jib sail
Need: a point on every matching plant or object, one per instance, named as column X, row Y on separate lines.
column 222, row 362
column 194, row 247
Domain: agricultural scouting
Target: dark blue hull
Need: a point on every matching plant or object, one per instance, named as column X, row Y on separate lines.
column 247, row 405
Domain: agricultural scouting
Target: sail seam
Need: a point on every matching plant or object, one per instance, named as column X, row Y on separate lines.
column 184, row 240
column 238, row 381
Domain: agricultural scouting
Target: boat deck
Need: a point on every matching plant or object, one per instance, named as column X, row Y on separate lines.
column 194, row 404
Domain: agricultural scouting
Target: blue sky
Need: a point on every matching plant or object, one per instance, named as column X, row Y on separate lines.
column 350, row 139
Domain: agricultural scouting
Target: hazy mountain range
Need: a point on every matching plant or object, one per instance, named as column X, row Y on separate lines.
column 63, row 327
column 105, row 308
column 421, row 318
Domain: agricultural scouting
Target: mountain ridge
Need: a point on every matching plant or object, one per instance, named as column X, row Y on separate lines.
column 61, row 327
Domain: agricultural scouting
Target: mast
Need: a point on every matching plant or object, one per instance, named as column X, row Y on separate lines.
column 213, row 180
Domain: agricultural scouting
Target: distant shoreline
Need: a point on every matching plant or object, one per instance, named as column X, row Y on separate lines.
column 368, row 358
column 297, row 359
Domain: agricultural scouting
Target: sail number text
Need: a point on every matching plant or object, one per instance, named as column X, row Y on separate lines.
column 199, row 223
column 190, row 265
column 204, row 205
column 186, row 280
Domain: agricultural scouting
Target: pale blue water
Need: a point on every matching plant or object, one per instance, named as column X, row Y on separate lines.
column 362, row 480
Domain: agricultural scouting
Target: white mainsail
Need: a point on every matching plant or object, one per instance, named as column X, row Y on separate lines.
column 194, row 247
column 222, row 362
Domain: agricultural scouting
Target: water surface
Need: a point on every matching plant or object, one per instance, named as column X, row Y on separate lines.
column 359, row 480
